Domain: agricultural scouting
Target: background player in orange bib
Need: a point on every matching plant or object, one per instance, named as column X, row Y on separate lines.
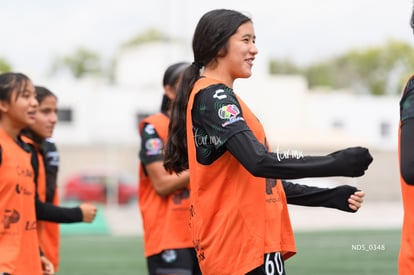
column 45, row 161
column 164, row 197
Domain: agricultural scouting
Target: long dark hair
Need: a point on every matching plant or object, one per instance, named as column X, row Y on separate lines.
column 10, row 82
column 209, row 42
column 171, row 76
column 42, row 93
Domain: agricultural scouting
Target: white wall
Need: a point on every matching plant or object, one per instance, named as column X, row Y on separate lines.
column 102, row 114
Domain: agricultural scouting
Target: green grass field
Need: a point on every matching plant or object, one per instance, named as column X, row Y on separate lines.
column 319, row 253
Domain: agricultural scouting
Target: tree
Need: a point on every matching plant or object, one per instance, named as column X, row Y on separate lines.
column 5, row 66
column 84, row 62
column 284, row 66
column 150, row 35
column 376, row 70
column 81, row 63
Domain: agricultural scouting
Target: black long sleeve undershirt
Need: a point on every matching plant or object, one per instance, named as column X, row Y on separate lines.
column 351, row 162
column 407, row 151
column 254, row 157
column 49, row 212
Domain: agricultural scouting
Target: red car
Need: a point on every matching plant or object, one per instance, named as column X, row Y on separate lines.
column 100, row 188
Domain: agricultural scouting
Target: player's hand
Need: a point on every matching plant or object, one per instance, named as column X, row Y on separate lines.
column 353, row 161
column 88, row 212
column 355, row 200
column 47, row 266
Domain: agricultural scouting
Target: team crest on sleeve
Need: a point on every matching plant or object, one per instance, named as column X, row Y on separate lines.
column 149, row 129
column 153, row 146
column 52, row 158
column 230, row 113
column 219, row 94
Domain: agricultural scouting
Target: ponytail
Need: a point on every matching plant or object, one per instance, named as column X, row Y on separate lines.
column 176, row 158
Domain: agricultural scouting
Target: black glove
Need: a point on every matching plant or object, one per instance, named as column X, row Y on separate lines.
column 305, row 195
column 351, row 162
column 339, row 197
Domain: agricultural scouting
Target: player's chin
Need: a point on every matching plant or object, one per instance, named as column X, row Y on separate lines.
column 48, row 133
column 246, row 74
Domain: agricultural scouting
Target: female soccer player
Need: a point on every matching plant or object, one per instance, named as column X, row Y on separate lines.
column 239, row 217
column 45, row 161
column 164, row 197
column 19, row 254
column 406, row 161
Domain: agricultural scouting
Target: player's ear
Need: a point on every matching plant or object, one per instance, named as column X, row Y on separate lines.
column 4, row 106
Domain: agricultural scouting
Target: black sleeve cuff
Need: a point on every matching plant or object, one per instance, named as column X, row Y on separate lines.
column 304, row 195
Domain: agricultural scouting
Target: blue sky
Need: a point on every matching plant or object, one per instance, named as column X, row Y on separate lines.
column 34, row 32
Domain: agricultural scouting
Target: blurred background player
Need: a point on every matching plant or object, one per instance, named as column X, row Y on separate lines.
column 45, row 162
column 406, row 161
column 163, row 196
